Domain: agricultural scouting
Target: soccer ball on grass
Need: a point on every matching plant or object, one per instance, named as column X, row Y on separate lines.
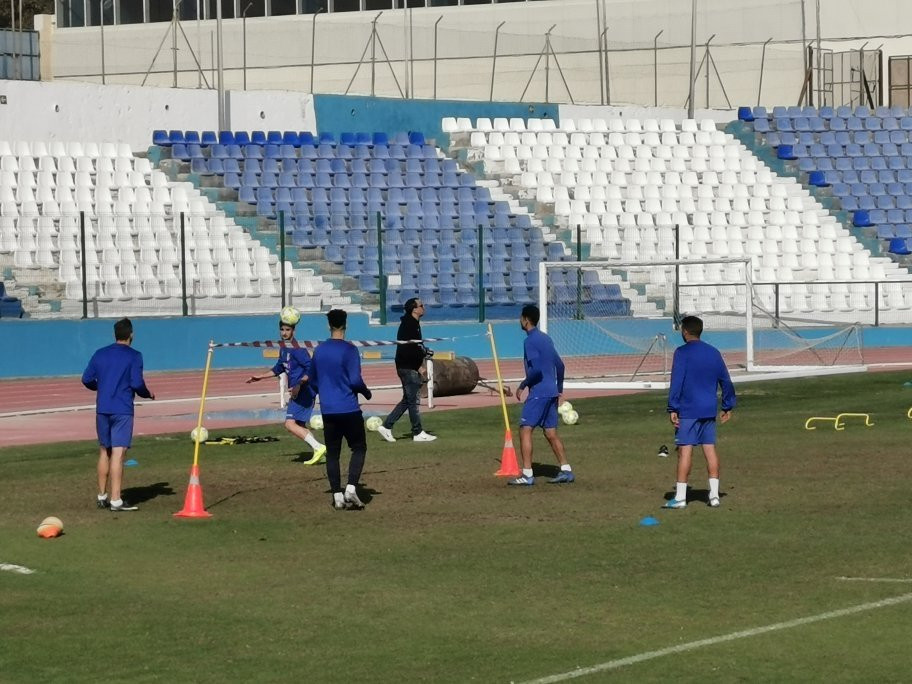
column 373, row 423
column 570, row 417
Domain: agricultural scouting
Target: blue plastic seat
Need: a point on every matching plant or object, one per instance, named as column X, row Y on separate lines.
column 176, row 137
column 160, row 138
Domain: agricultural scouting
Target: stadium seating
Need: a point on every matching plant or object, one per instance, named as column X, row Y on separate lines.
column 132, row 233
column 330, row 193
column 629, row 185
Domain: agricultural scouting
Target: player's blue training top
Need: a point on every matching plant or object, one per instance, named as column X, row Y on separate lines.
column 696, row 373
column 335, row 374
column 544, row 366
column 296, row 363
column 116, row 373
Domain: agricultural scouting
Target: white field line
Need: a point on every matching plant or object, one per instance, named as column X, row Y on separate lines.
column 744, row 634
column 896, row 580
column 18, row 569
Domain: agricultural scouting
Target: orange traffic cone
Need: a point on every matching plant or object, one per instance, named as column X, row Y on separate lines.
column 193, row 502
column 508, row 465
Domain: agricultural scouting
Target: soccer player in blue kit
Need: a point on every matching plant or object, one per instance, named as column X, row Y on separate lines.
column 697, row 372
column 296, row 363
column 336, row 375
column 115, row 373
column 545, row 380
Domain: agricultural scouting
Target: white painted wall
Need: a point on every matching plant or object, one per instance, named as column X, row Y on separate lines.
column 278, row 50
column 116, row 113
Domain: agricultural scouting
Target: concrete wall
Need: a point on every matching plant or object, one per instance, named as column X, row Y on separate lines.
column 278, row 53
column 115, row 113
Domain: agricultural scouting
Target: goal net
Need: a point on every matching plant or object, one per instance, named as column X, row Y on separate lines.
column 615, row 323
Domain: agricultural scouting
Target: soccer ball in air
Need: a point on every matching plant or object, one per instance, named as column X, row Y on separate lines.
column 564, row 407
column 570, row 417
column 200, row 436
column 316, row 422
column 373, row 423
column 290, row 315
column 50, row 527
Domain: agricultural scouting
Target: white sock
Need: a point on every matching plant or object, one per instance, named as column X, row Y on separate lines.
column 350, row 489
column 567, row 467
column 310, row 439
column 117, row 502
column 527, row 472
column 680, row 491
column 714, row 488
column 102, row 497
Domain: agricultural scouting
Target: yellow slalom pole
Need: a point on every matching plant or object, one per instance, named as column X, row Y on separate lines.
column 199, row 420
column 503, row 401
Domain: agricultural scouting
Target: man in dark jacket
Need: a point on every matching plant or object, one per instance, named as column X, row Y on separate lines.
column 409, row 360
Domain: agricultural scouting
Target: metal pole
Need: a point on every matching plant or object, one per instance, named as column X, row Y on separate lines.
column 101, row 27
column 817, row 60
column 183, row 241
column 548, row 61
column 85, row 278
column 598, row 36
column 676, row 310
column 579, row 273
column 199, row 45
column 174, row 41
column 405, row 48
column 604, row 40
column 655, row 68
column 219, row 55
column 706, row 59
column 693, row 58
column 435, row 54
column 282, row 253
column 313, row 43
column 763, row 61
column 494, row 59
column 861, row 74
column 481, row 287
column 381, row 275
column 411, row 52
column 804, row 47
column 373, row 41
column 244, row 40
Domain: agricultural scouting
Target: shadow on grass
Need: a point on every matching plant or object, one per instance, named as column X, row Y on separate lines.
column 695, row 495
column 140, row 495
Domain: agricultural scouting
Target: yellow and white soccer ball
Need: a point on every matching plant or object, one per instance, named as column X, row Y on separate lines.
column 564, row 407
column 316, row 422
column 290, row 315
column 373, row 423
column 200, row 436
column 570, row 417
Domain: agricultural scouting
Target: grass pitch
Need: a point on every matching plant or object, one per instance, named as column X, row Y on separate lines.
column 451, row 576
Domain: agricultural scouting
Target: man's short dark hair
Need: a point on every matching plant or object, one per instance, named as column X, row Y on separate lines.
column 123, row 329
column 693, row 325
column 337, row 319
column 531, row 313
column 411, row 304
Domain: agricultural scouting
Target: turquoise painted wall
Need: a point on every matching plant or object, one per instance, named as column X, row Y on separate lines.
column 35, row 348
column 349, row 113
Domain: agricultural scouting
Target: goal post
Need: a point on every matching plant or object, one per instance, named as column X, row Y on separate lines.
column 615, row 323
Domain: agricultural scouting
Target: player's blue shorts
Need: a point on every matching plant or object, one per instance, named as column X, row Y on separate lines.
column 299, row 412
column 539, row 412
column 694, row 431
column 114, row 430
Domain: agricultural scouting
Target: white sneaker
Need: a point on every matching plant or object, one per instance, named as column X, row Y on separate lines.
column 352, row 500
column 386, row 433
column 714, row 501
column 423, row 437
column 338, row 501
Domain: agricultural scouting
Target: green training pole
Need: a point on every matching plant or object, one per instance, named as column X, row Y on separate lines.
column 481, row 289
column 382, row 281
